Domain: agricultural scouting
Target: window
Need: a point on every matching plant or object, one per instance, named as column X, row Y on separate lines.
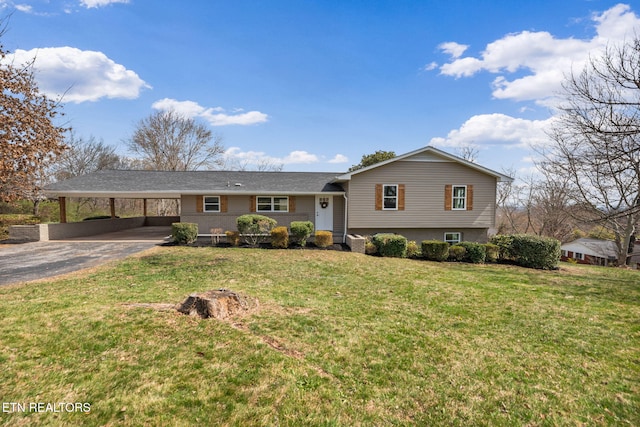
column 272, row 204
column 390, row 197
column 211, row 203
column 459, row 194
column 579, row 256
column 453, row 237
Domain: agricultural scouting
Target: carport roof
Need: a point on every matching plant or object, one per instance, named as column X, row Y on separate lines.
column 173, row 184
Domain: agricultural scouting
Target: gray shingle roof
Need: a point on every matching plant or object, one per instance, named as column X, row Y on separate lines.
column 170, row 184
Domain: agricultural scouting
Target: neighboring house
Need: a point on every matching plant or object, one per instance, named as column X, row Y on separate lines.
column 590, row 251
column 424, row 194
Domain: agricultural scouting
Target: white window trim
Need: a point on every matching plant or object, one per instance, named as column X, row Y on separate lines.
column 272, row 203
column 578, row 256
column 453, row 198
column 204, row 204
column 389, row 197
column 451, row 241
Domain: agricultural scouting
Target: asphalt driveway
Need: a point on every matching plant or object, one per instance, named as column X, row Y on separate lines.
column 40, row 260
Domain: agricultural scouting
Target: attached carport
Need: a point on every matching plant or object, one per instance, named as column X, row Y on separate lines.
column 140, row 228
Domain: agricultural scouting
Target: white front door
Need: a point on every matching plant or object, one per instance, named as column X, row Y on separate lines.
column 324, row 213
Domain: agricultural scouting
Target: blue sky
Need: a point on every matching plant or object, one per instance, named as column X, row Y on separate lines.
column 317, row 84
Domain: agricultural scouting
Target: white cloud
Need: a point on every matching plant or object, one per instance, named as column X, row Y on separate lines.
column 99, row 3
column 454, row 49
column 300, row 157
column 542, row 58
column 235, row 154
column 430, row 66
column 24, row 8
column 339, row 158
column 216, row 116
column 500, row 129
column 81, row 75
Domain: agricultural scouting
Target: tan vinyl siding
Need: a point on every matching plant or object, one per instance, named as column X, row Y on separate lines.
column 424, row 199
column 237, row 205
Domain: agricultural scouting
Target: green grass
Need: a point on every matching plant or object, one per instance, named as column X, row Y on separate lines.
column 339, row 339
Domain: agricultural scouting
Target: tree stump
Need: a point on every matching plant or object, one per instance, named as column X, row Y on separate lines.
column 220, row 304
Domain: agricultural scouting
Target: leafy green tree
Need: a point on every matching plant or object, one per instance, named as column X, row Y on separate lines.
column 372, row 159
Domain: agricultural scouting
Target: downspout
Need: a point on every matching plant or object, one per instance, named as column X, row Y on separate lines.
column 346, row 216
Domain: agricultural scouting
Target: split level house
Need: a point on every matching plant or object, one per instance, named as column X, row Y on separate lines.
column 424, row 194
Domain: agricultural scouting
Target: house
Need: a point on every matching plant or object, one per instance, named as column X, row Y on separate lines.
column 590, row 251
column 424, row 194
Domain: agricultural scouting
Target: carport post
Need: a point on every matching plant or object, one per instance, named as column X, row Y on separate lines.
column 112, row 205
column 144, row 208
column 62, row 201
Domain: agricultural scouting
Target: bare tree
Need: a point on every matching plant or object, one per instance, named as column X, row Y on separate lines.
column 468, row 152
column 168, row 141
column 85, row 156
column 263, row 165
column 596, row 141
column 29, row 139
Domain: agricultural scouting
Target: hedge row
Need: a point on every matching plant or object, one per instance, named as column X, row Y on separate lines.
column 524, row 250
column 255, row 229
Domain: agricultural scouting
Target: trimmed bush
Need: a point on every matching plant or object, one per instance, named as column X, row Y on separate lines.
column 413, row 250
column 492, row 251
column 255, row 228
column 528, row 250
column 503, row 242
column 323, row 238
column 280, row 237
column 233, row 237
column 390, row 245
column 456, row 253
column 300, row 231
column 536, row 252
column 435, row 250
column 184, row 233
column 369, row 247
column 474, row 252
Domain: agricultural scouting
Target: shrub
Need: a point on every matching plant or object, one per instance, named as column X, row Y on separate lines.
column 536, row 252
column 492, row 252
column 528, row 250
column 503, row 242
column 184, row 233
column 280, row 237
column 255, row 228
column 474, row 252
column 323, row 238
column 369, row 247
column 456, row 253
column 233, row 237
column 301, row 230
column 413, row 250
column 390, row 245
column 435, row 250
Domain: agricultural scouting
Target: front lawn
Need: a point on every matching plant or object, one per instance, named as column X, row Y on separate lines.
column 339, row 339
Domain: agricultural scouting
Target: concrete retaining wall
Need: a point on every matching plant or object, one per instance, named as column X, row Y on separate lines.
column 45, row 232
column 356, row 243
